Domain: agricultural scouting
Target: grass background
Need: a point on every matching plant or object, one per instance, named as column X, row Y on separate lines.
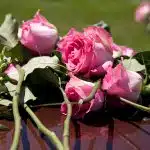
column 119, row 14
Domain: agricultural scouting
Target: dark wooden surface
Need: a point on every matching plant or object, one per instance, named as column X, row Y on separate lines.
column 109, row 135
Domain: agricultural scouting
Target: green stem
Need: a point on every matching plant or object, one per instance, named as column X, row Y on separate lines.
column 52, row 104
column 62, row 66
column 2, row 53
column 15, row 108
column 146, row 72
column 143, row 108
column 92, row 94
column 67, row 122
column 46, row 105
column 51, row 135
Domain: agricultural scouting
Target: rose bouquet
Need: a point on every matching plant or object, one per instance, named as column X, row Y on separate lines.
column 82, row 72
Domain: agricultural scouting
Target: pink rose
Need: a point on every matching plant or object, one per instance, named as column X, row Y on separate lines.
column 142, row 12
column 38, row 35
column 99, row 35
column 83, row 55
column 122, row 51
column 122, row 83
column 77, row 89
column 12, row 72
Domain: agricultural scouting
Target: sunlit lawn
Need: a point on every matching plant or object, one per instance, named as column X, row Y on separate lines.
column 80, row 13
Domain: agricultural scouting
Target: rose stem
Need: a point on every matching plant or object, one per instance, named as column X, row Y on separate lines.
column 15, row 108
column 92, row 94
column 52, row 104
column 66, row 122
column 143, row 108
column 87, row 99
column 51, row 135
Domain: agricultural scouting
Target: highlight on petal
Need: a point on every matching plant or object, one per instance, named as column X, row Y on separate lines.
column 77, row 89
column 38, row 35
column 122, row 83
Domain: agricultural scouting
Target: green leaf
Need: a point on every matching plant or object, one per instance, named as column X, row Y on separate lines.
column 3, row 128
column 34, row 69
column 58, row 54
column 20, row 53
column 5, row 102
column 3, row 89
column 40, row 62
column 146, row 89
column 34, row 63
column 39, row 72
column 28, row 95
column 133, row 65
column 43, row 76
column 44, row 84
column 144, row 58
column 104, row 25
column 8, row 32
column 5, row 112
column 12, row 89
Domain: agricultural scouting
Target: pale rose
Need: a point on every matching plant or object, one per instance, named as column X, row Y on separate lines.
column 142, row 12
column 38, row 35
column 122, row 83
column 12, row 72
column 77, row 89
column 83, row 55
column 119, row 50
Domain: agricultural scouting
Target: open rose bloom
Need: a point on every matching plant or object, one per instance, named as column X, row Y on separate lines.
column 122, row 83
column 38, row 35
column 89, row 53
column 83, row 54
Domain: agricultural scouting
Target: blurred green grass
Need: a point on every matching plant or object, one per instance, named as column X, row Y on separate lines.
column 119, row 14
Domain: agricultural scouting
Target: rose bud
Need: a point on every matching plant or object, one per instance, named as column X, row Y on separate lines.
column 38, row 35
column 85, row 54
column 122, row 83
column 77, row 89
column 142, row 12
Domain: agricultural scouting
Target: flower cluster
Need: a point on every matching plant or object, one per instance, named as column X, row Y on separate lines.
column 89, row 55
column 92, row 53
